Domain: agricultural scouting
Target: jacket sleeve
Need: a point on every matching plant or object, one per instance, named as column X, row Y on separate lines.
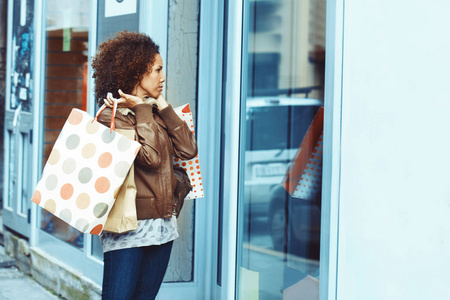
column 183, row 140
column 147, row 135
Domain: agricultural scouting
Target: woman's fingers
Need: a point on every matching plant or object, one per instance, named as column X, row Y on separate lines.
column 125, row 100
column 128, row 100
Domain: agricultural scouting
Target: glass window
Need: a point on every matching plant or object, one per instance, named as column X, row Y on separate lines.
column 67, row 34
column 281, row 135
column 181, row 68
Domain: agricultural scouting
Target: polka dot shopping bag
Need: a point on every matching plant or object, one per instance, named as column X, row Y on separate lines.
column 85, row 170
column 303, row 178
column 191, row 166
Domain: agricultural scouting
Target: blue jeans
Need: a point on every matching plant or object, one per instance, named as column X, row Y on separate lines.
column 135, row 273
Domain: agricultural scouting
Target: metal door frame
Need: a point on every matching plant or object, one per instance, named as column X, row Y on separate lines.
column 12, row 217
column 234, row 46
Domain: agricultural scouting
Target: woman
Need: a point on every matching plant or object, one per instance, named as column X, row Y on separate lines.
column 128, row 70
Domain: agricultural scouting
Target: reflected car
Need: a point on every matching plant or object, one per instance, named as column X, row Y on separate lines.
column 275, row 127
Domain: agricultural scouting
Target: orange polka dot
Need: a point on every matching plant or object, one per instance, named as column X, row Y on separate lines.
column 97, row 229
column 186, row 109
column 198, row 172
column 198, row 167
column 183, row 164
column 102, row 185
column 75, row 117
column 196, row 161
column 66, row 191
column 193, row 179
column 185, row 169
column 190, row 162
column 36, row 198
column 192, row 174
column 191, row 168
column 199, row 178
column 201, row 183
column 105, row 160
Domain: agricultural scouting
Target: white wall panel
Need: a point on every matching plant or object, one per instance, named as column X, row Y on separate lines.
column 394, row 240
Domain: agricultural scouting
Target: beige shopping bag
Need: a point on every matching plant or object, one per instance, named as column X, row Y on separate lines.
column 191, row 166
column 87, row 166
column 122, row 217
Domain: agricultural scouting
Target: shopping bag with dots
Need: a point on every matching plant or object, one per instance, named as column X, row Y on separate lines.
column 303, row 178
column 192, row 166
column 84, row 172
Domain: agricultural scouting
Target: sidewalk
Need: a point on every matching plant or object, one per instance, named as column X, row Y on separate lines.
column 15, row 285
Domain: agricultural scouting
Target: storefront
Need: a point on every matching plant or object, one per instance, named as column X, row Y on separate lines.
column 298, row 199
column 48, row 74
column 254, row 75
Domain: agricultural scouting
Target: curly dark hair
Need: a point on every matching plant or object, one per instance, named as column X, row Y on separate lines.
column 121, row 62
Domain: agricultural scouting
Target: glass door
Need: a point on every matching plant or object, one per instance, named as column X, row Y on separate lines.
column 18, row 129
column 280, row 166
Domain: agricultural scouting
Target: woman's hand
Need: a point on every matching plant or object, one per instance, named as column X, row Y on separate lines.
column 162, row 103
column 125, row 100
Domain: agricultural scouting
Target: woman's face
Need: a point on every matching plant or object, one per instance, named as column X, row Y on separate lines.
column 151, row 84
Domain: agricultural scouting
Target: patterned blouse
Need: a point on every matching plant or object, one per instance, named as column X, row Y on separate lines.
column 149, row 232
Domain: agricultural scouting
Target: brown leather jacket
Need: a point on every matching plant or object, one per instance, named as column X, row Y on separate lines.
column 162, row 135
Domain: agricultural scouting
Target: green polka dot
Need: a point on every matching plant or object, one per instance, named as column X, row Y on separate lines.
column 65, row 215
column 108, row 137
column 82, row 225
column 100, row 210
column 72, row 141
column 69, row 165
column 51, row 182
column 121, row 169
column 85, row 175
column 124, row 144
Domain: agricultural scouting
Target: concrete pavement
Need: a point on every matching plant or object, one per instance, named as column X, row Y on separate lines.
column 15, row 285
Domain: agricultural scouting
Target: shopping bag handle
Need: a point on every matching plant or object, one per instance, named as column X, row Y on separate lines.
column 113, row 116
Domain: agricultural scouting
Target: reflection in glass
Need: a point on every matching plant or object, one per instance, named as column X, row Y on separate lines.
column 11, row 168
column 24, row 173
column 67, row 34
column 97, row 249
column 279, row 241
